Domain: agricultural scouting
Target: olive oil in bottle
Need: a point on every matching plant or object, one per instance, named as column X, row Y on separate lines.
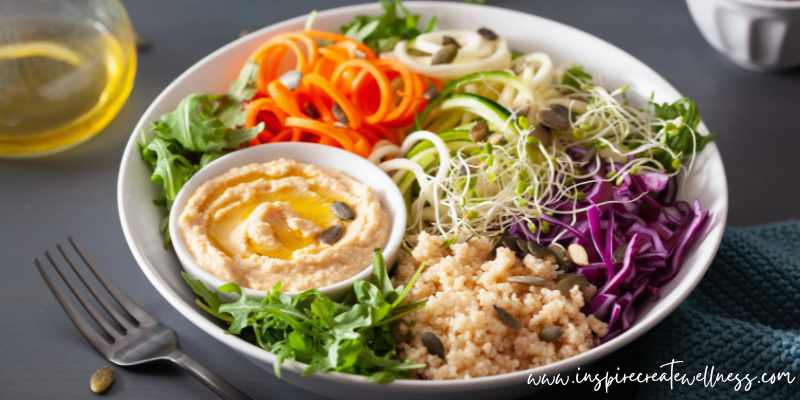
column 60, row 83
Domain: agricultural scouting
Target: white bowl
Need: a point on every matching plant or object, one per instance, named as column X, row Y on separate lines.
column 355, row 166
column 759, row 35
column 140, row 219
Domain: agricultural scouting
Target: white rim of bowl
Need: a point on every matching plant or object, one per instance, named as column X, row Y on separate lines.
column 244, row 347
column 392, row 246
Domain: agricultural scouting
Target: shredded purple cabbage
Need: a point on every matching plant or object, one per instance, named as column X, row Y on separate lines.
column 656, row 228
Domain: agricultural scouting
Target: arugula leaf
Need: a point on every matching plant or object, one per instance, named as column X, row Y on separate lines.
column 382, row 32
column 684, row 139
column 171, row 169
column 244, row 87
column 211, row 298
column 314, row 329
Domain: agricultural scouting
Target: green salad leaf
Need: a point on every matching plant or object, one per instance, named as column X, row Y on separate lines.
column 201, row 129
column 382, row 32
column 683, row 138
column 313, row 329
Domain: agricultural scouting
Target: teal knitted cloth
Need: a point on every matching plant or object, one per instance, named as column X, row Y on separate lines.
column 743, row 317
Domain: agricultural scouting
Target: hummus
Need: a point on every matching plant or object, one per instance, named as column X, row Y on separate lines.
column 259, row 224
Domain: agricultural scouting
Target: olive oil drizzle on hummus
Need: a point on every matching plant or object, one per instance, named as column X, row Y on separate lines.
column 314, row 206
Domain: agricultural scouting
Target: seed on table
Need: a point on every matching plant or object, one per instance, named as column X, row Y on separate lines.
column 141, row 43
column 445, row 55
column 479, row 131
column 577, row 254
column 433, row 344
column 342, row 210
column 245, row 33
column 331, row 235
column 487, row 34
column 339, row 114
column 550, row 334
column 101, row 379
column 291, row 79
column 507, row 318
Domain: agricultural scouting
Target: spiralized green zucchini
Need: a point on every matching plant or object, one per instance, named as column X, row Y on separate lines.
column 454, row 186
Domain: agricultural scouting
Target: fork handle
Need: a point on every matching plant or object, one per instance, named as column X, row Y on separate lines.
column 220, row 386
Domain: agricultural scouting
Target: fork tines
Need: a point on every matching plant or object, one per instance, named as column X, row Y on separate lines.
column 80, row 322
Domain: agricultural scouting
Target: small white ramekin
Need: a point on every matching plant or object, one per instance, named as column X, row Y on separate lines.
column 322, row 156
column 758, row 35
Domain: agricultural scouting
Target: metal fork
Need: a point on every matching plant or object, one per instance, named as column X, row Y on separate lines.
column 149, row 341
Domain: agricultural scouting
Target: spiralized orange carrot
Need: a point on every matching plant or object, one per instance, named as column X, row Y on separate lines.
column 347, row 73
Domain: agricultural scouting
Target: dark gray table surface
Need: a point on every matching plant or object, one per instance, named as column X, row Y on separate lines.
column 42, row 201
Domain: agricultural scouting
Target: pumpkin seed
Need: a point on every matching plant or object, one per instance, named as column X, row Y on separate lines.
column 561, row 255
column 567, row 283
column 245, row 33
column 417, row 52
column 511, row 243
column 589, row 156
column 430, row 93
column 521, row 107
column 331, row 235
column 141, row 42
column 101, row 379
column 553, row 119
column 448, row 40
column 445, row 55
column 340, row 125
column 342, row 210
column 311, row 110
column 291, row 79
column 495, row 138
column 359, row 54
column 619, row 254
column 339, row 114
column 433, row 344
column 487, row 34
column 563, row 275
column 560, row 109
column 519, row 65
column 542, row 133
column 577, row 254
column 400, row 332
column 550, row 334
column 529, row 280
column 536, row 249
column 507, row 318
column 479, row 131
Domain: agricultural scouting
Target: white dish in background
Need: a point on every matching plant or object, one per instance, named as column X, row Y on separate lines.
column 354, row 166
column 140, row 219
column 758, row 35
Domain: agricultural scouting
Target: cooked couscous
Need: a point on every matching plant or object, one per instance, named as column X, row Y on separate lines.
column 463, row 283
